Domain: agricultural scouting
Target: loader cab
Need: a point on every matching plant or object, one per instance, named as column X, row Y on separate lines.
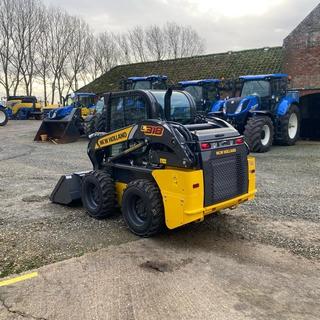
column 76, row 100
column 84, row 101
column 152, row 82
column 205, row 92
column 127, row 107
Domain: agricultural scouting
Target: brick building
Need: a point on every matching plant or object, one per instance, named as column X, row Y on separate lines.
column 299, row 57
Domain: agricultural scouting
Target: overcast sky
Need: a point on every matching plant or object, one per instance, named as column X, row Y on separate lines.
column 225, row 24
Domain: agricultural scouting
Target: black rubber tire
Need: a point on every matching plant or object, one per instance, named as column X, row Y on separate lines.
column 253, row 133
column 98, row 194
column 100, row 122
column 283, row 135
column 6, row 118
column 148, row 193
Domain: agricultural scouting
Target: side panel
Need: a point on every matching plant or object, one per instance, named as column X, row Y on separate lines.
column 217, row 106
column 252, row 177
column 182, row 191
column 183, row 195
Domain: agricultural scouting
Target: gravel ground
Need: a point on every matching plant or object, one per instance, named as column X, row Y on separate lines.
column 34, row 232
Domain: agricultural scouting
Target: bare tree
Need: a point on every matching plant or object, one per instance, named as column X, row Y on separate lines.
column 8, row 77
column 182, row 41
column 60, row 50
column 78, row 58
column 172, row 34
column 155, row 41
column 107, row 51
column 60, row 38
column 136, row 39
column 125, row 53
column 43, row 57
column 191, row 43
column 27, row 29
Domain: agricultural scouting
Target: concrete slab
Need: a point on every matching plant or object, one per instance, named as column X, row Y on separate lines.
column 163, row 279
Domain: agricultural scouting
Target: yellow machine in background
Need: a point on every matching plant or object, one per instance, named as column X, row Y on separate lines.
column 24, row 107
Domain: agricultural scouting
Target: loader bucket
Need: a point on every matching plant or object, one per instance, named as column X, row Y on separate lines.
column 68, row 189
column 63, row 130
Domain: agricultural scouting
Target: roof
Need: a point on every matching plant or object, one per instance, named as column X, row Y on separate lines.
column 148, row 78
column 309, row 25
column 85, row 94
column 198, row 82
column 264, row 76
column 221, row 65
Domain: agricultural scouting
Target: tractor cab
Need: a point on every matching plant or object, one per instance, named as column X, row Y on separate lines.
column 268, row 89
column 152, row 82
column 257, row 92
column 205, row 92
column 83, row 101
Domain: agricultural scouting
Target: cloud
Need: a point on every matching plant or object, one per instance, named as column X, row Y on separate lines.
column 226, row 25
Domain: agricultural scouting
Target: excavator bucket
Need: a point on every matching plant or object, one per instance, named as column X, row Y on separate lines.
column 63, row 130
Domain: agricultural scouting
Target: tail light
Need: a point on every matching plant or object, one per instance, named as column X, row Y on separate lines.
column 205, row 146
column 239, row 141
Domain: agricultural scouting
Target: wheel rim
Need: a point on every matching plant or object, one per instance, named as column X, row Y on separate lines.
column 293, row 126
column 139, row 211
column 265, row 135
column 2, row 116
column 93, row 195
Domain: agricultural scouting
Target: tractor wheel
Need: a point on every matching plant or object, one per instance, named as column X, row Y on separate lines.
column 3, row 117
column 100, row 122
column 259, row 133
column 142, row 208
column 289, row 127
column 98, row 194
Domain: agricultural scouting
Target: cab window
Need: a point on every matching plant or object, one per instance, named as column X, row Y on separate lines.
column 180, row 106
column 126, row 111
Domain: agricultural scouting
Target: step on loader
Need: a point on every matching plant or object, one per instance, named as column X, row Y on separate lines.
column 160, row 166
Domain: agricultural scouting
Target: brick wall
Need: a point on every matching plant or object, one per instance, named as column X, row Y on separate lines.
column 302, row 52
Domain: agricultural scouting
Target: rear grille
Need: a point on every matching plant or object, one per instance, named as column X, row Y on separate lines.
column 225, row 177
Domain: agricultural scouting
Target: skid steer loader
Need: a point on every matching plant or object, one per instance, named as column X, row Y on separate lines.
column 158, row 165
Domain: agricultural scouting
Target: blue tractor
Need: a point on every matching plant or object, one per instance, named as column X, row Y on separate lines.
column 76, row 118
column 3, row 116
column 155, row 82
column 265, row 112
column 205, row 92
